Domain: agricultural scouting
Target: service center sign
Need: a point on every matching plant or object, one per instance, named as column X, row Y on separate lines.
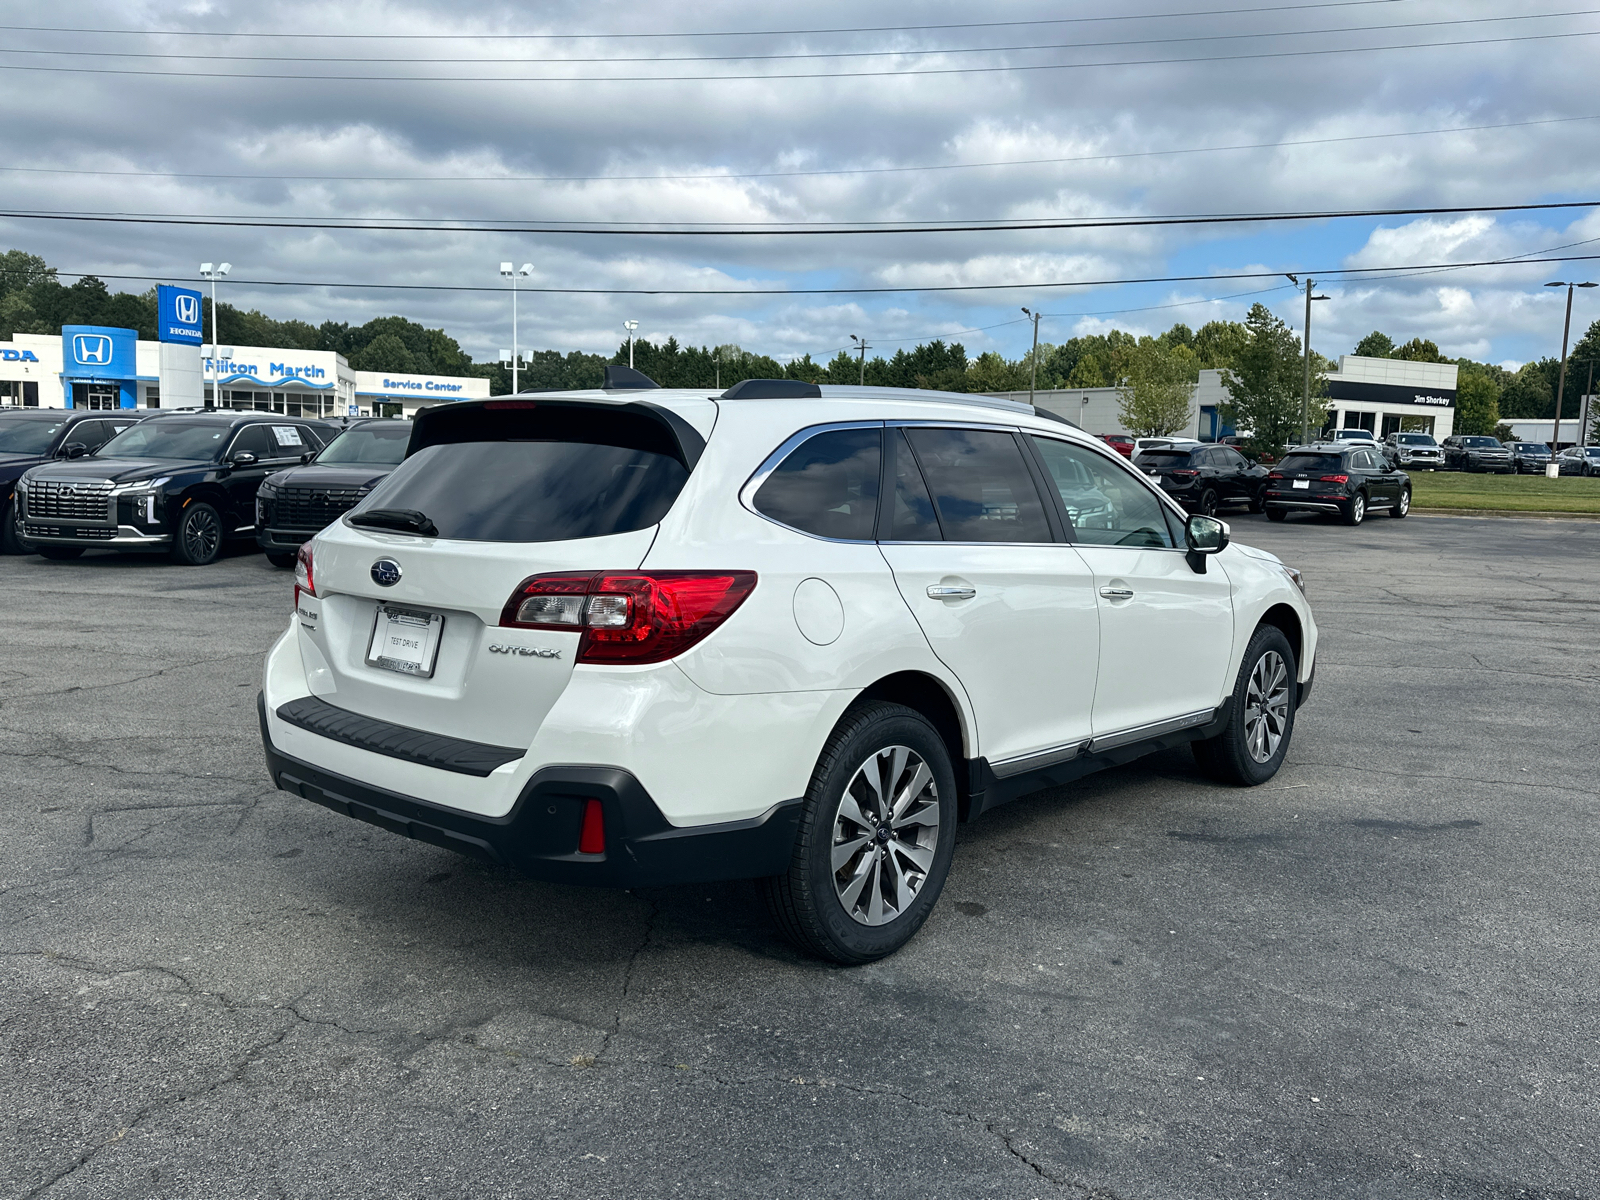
column 178, row 313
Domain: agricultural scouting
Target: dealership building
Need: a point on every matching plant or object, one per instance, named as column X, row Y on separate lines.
column 97, row 367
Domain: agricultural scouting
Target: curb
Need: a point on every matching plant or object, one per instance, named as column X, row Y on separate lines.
column 1504, row 514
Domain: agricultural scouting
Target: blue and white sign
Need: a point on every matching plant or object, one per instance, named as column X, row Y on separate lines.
column 96, row 353
column 178, row 314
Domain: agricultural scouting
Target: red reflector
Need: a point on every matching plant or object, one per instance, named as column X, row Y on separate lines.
column 593, row 838
column 1334, row 479
column 503, row 404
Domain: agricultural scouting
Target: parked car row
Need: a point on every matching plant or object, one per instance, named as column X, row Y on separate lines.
column 182, row 482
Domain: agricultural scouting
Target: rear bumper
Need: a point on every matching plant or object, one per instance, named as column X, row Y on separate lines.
column 539, row 836
column 1311, row 504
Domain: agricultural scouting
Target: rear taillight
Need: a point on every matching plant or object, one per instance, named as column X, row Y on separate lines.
column 1335, row 479
column 1275, row 475
column 304, row 581
column 632, row 618
column 1184, row 472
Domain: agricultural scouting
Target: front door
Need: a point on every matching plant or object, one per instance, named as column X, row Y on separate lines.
column 1166, row 632
column 1005, row 605
column 242, row 482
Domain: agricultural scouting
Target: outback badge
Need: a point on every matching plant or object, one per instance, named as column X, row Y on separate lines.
column 386, row 572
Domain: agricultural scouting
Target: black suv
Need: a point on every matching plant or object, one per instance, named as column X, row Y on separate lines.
column 1529, row 458
column 1350, row 481
column 31, row 436
column 1476, row 452
column 1204, row 478
column 293, row 506
column 181, row 481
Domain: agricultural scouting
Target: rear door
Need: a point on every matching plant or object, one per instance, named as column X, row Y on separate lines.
column 1003, row 601
column 1166, row 633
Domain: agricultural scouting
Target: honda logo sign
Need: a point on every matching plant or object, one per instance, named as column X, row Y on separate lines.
column 92, row 349
column 186, row 307
column 179, row 314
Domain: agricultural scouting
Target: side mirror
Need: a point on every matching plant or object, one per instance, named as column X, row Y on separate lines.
column 74, row 450
column 307, row 456
column 244, row 459
column 1205, row 536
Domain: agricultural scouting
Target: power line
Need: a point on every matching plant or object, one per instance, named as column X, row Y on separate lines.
column 492, row 36
column 811, row 55
column 784, row 230
column 717, row 177
column 772, row 77
column 856, row 291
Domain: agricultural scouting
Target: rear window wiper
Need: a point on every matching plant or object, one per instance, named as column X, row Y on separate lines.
column 405, row 520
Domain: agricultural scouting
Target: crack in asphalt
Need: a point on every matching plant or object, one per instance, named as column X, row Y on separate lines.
column 627, row 975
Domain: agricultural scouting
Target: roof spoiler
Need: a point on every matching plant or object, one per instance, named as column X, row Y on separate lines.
column 773, row 389
column 626, row 379
column 637, row 425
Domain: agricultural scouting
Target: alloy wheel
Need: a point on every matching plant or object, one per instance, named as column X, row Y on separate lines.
column 884, row 835
column 201, row 534
column 1266, row 706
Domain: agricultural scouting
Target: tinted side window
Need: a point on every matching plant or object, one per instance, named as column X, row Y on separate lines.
column 913, row 518
column 291, row 441
column 828, row 486
column 253, row 439
column 92, row 434
column 981, row 487
column 1108, row 505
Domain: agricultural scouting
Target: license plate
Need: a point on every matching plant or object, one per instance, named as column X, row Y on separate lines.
column 405, row 640
column 1302, row 483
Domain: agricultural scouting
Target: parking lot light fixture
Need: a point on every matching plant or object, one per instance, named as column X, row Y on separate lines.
column 508, row 272
column 1552, row 471
column 630, row 326
column 214, row 272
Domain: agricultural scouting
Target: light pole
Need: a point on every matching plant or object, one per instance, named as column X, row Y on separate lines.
column 1552, row 471
column 861, row 345
column 1305, row 395
column 1033, row 376
column 524, row 271
column 214, row 272
column 630, row 326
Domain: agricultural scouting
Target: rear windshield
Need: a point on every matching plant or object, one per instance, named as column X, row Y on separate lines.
column 1310, row 463
column 194, row 441
column 377, row 445
column 24, row 435
column 532, row 491
column 1161, row 458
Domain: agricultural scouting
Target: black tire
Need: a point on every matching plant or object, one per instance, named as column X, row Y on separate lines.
column 1207, row 506
column 1277, row 514
column 1257, row 501
column 198, row 538
column 1403, row 505
column 1355, row 511
column 1228, row 757
column 281, row 560
column 806, row 901
column 60, row 553
column 10, row 541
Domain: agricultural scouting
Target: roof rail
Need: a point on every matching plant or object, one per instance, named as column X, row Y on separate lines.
column 626, row 379
column 773, row 389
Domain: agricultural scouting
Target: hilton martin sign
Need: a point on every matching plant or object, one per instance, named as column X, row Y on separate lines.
column 1387, row 393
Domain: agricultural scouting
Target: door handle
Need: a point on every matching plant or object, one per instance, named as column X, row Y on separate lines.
column 947, row 591
column 1116, row 593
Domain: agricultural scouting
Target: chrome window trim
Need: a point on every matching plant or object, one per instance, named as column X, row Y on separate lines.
column 747, row 493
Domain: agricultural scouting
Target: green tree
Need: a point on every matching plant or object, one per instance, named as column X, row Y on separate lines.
column 1086, row 373
column 1477, row 403
column 1418, row 350
column 1219, row 343
column 989, row 372
column 1528, row 395
column 19, row 269
column 1375, row 345
column 1155, row 398
column 387, row 353
column 1264, row 385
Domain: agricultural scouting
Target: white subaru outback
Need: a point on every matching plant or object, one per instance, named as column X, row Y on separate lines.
column 635, row 636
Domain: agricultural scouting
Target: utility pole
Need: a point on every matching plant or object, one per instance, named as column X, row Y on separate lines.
column 1552, row 471
column 861, row 344
column 630, row 326
column 1033, row 375
column 1305, row 394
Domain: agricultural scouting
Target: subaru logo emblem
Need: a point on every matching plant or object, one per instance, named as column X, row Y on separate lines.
column 186, row 307
column 92, row 349
column 386, row 572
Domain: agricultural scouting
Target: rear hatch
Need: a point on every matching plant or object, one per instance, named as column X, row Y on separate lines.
column 1312, row 474
column 410, row 587
column 1171, row 467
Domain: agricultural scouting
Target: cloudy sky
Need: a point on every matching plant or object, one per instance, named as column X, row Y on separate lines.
column 766, row 118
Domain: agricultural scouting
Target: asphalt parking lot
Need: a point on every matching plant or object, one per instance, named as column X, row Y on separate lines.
column 1374, row 977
